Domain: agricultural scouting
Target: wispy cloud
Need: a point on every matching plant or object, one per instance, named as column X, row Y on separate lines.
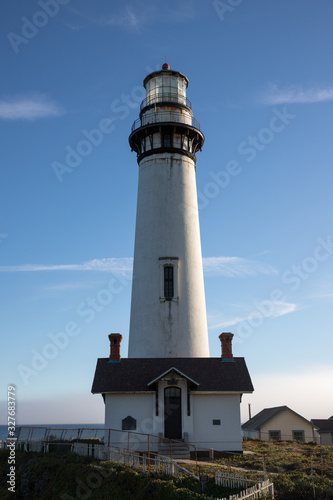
column 324, row 297
column 127, row 19
column 121, row 265
column 63, row 287
column 294, row 94
column 137, row 15
column 74, row 27
column 183, row 11
column 278, row 309
column 235, row 267
column 30, row 107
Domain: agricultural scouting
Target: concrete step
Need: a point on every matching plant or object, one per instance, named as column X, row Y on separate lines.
column 179, row 449
column 175, row 456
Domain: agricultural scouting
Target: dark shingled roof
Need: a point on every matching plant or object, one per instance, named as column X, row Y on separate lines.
column 133, row 374
column 256, row 422
column 323, row 424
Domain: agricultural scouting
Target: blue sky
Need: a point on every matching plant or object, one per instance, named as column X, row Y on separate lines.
column 261, row 85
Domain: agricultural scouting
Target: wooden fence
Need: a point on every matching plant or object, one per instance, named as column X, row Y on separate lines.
column 259, row 490
column 163, row 465
column 230, row 480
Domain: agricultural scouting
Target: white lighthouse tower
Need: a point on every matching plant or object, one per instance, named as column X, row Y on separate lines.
column 168, row 387
column 168, row 310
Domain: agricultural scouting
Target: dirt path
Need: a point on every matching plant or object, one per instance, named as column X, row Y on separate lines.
column 228, row 467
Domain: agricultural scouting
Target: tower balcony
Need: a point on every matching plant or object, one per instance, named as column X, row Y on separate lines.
column 165, row 117
column 167, row 137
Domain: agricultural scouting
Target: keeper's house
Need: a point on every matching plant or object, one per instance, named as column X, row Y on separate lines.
column 193, row 399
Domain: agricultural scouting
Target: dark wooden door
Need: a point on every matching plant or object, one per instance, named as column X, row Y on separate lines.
column 172, row 413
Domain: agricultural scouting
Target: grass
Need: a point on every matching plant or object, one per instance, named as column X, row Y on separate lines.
column 298, row 470
column 67, row 476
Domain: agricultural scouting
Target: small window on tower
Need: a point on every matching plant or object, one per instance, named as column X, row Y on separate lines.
column 168, row 282
column 169, row 268
column 167, row 140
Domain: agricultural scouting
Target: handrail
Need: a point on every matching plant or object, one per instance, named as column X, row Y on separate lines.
column 166, row 97
column 157, row 119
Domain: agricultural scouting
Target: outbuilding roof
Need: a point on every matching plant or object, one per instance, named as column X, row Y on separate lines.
column 323, row 424
column 136, row 374
column 256, row 422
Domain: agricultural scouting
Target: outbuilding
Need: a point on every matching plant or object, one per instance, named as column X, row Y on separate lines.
column 279, row 423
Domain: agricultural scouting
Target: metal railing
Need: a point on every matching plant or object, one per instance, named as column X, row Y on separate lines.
column 44, row 433
column 173, row 97
column 129, row 439
column 161, row 118
column 125, row 456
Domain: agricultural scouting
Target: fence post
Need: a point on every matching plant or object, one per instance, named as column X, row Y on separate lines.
column 313, row 485
column 45, row 435
column 170, row 448
column 148, row 453
column 322, row 471
column 264, row 465
column 196, row 459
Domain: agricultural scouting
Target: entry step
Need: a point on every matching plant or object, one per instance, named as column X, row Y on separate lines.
column 174, row 449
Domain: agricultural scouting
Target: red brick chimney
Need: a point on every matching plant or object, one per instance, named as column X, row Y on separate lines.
column 115, row 340
column 226, row 344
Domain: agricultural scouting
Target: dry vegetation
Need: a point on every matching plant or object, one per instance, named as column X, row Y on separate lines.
column 298, row 470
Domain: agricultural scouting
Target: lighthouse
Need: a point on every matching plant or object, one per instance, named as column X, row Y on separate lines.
column 168, row 310
column 168, row 388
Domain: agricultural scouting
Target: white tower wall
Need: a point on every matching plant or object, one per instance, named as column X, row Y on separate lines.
column 167, row 232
